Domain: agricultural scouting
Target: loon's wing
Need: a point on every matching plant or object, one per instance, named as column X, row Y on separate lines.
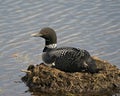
column 68, row 57
column 67, row 51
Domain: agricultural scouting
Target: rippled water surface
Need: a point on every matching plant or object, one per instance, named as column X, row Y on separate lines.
column 93, row 25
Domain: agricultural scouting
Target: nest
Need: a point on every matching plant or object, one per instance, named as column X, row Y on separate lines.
column 44, row 79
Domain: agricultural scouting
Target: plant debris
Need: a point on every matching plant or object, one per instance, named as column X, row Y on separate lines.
column 45, row 79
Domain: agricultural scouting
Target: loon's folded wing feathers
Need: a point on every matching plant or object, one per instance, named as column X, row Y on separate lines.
column 67, row 52
column 67, row 56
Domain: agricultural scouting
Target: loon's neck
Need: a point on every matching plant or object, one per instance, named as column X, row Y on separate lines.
column 49, row 47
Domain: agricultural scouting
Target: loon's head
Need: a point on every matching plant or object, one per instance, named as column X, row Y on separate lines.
column 48, row 34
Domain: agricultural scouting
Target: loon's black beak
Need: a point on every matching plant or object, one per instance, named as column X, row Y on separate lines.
column 36, row 35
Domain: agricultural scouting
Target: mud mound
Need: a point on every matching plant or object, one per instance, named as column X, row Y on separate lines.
column 42, row 78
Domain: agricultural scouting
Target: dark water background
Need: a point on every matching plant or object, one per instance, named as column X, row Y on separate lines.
column 93, row 25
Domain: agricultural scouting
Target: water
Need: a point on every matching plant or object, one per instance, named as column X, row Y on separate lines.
column 93, row 25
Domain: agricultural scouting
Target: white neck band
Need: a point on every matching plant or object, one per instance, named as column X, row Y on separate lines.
column 51, row 46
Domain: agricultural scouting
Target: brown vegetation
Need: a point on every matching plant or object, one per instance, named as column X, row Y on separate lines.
column 44, row 79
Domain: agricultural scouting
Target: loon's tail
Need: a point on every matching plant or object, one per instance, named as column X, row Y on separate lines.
column 91, row 64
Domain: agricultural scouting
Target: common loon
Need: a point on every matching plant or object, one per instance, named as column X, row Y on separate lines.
column 67, row 59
